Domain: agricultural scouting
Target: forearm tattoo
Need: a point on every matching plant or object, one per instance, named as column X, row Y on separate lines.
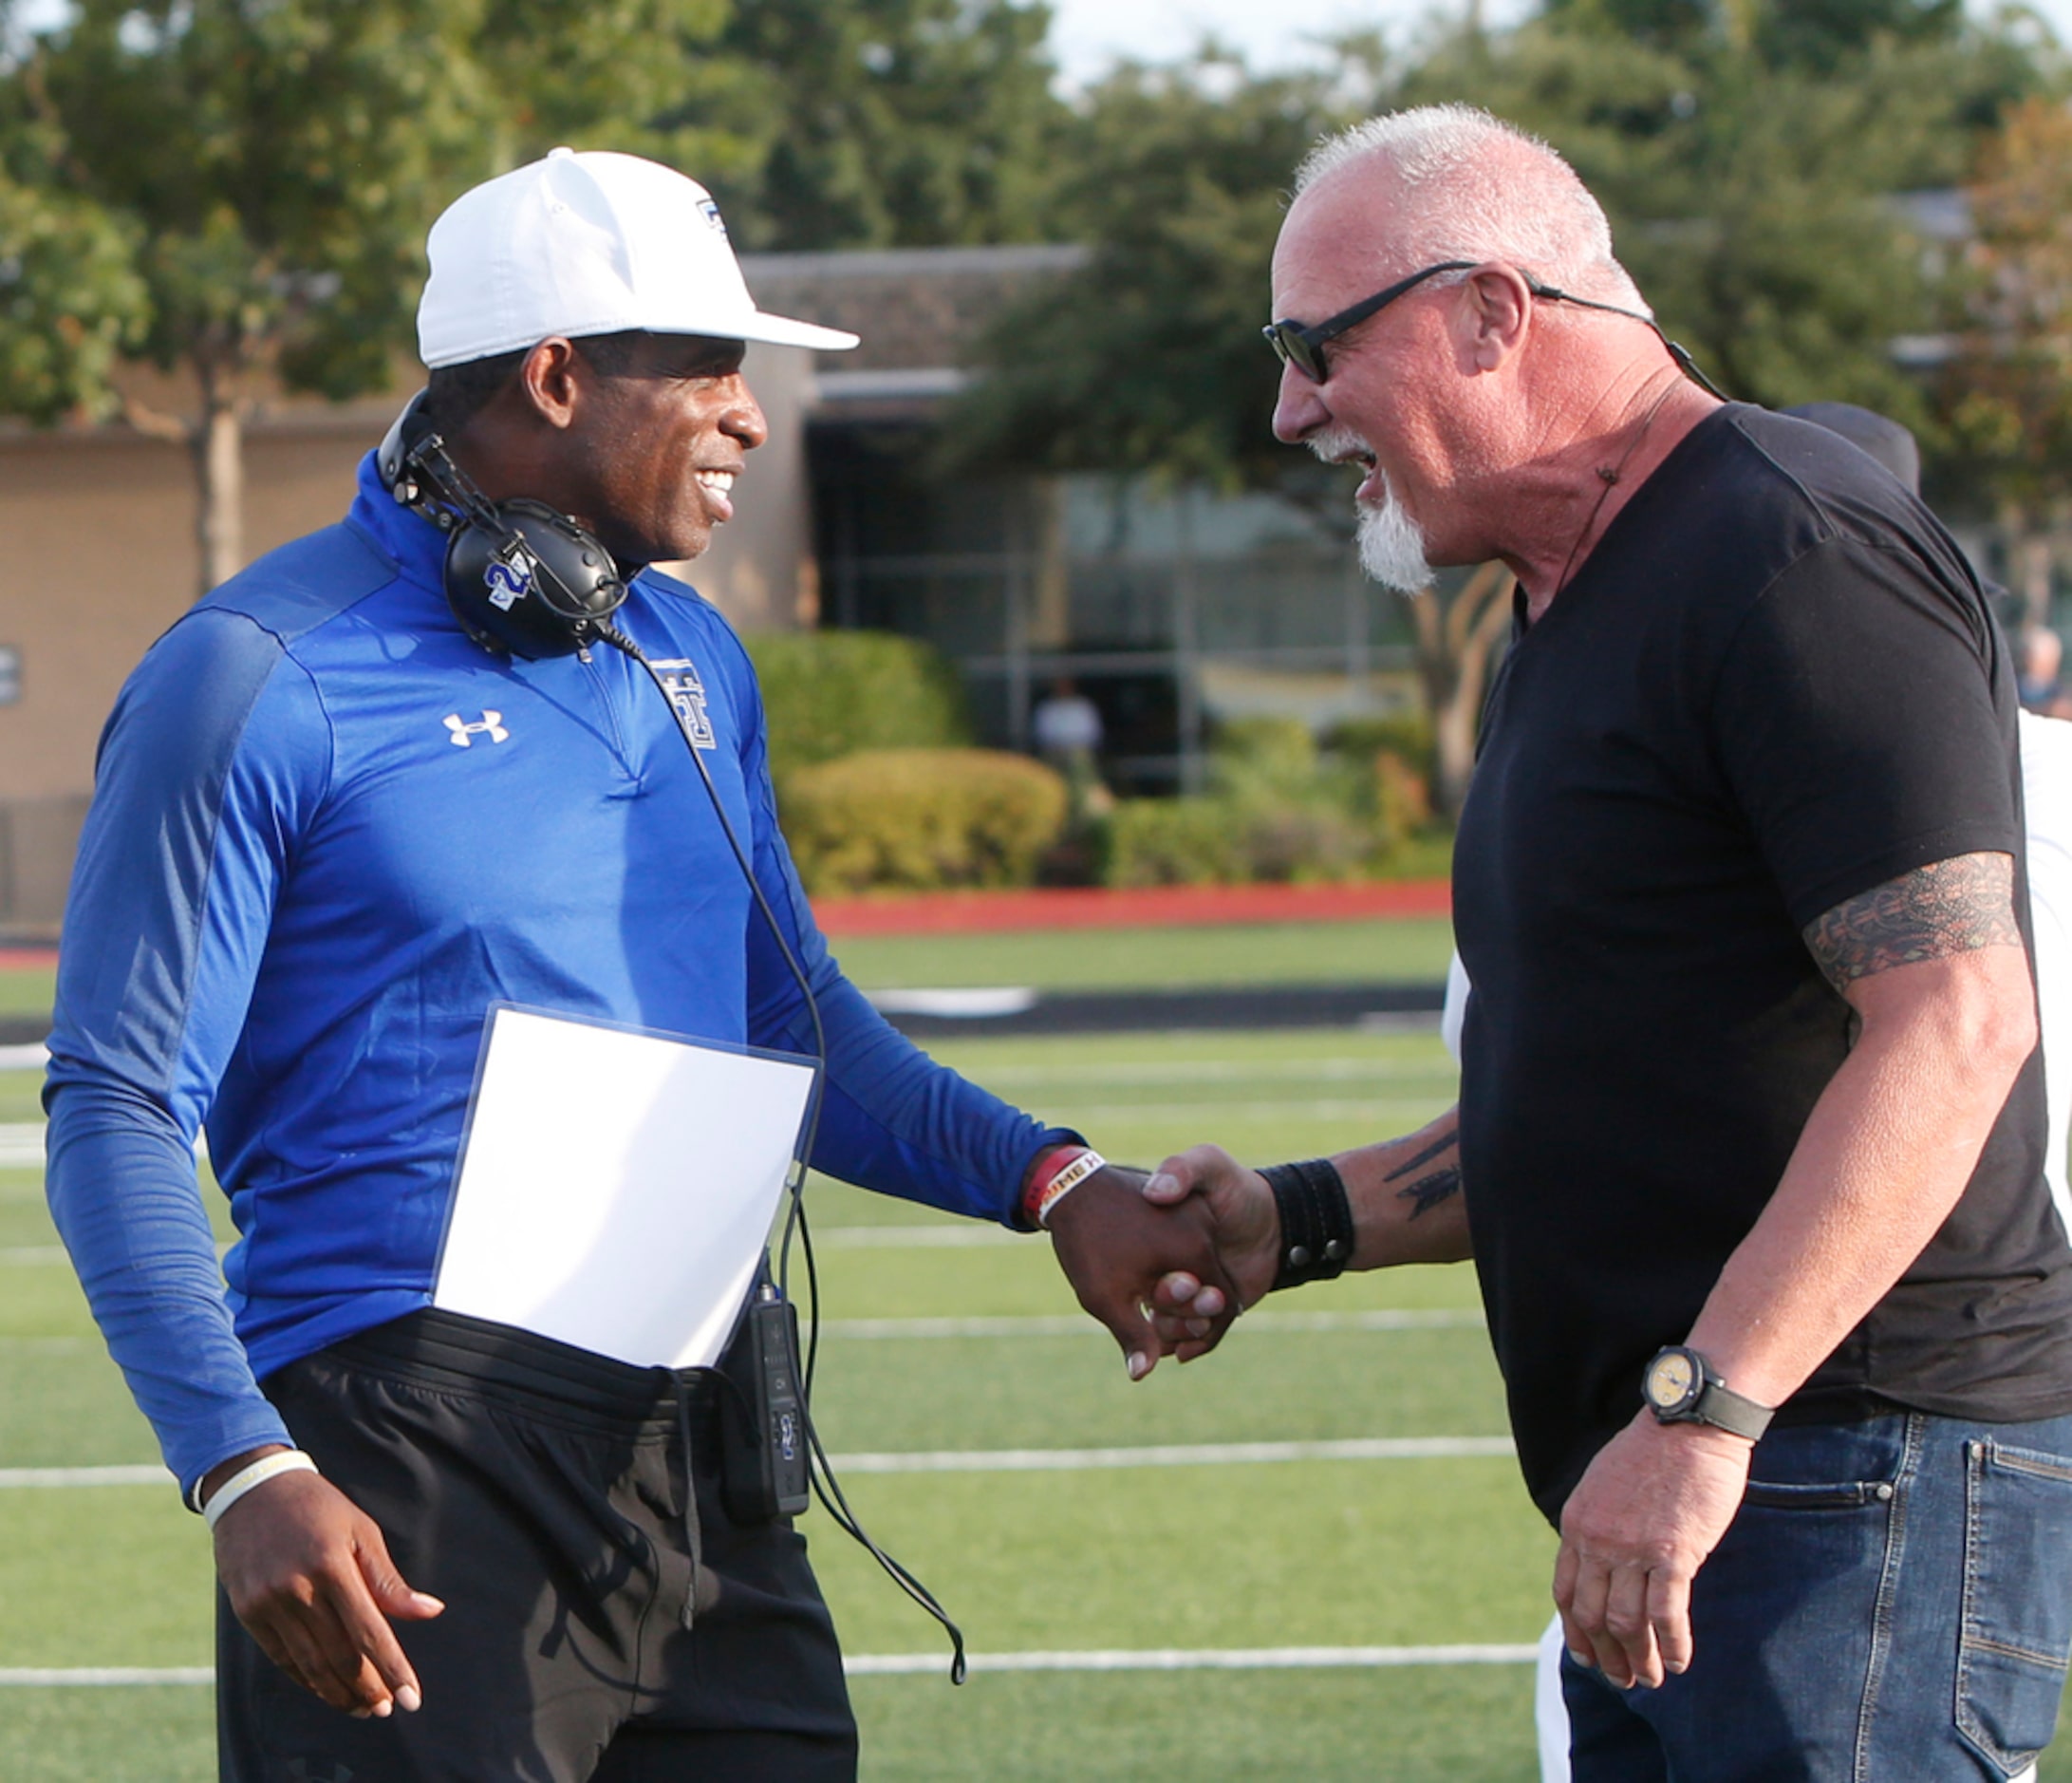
column 1434, row 1186
column 1933, row 913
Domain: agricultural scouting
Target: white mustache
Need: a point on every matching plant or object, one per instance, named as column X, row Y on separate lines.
column 1332, row 444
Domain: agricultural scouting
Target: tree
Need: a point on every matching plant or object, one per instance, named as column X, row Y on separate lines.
column 1748, row 152
column 245, row 185
column 904, row 122
column 2009, row 392
column 236, row 191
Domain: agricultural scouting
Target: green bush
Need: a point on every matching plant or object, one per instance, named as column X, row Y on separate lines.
column 921, row 820
column 1279, row 809
column 1174, row 841
column 831, row 693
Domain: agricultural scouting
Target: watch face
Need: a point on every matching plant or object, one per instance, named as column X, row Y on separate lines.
column 1672, row 1380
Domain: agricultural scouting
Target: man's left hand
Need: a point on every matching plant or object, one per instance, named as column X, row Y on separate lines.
column 1635, row 1531
column 1114, row 1246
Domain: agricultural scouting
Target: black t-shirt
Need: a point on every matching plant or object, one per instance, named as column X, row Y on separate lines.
column 1772, row 686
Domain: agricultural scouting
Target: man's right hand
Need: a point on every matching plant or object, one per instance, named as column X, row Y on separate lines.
column 307, row 1573
column 1246, row 1226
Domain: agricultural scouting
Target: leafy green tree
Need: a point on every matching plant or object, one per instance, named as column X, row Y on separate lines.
column 895, row 122
column 242, row 187
column 2009, row 392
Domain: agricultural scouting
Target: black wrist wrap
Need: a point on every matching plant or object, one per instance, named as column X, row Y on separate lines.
column 1315, row 1221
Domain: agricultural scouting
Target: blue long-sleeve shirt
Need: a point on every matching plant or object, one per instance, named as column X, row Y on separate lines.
column 328, row 831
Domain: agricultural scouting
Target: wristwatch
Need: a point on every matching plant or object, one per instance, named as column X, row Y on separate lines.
column 1681, row 1388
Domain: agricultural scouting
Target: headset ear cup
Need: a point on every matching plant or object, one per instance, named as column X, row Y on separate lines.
column 540, row 587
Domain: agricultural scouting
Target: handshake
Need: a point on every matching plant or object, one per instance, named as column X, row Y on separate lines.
column 1167, row 1260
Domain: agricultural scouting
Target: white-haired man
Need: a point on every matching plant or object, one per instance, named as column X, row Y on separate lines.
column 1749, row 1148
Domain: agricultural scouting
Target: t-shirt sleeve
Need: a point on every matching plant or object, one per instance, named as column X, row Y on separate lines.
column 1857, row 720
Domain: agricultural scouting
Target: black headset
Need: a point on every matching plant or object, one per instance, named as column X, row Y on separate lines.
column 523, row 579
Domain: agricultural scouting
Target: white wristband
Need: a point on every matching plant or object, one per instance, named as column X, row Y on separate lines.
column 267, row 1467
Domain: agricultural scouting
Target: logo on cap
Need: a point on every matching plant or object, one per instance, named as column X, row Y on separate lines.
column 710, row 212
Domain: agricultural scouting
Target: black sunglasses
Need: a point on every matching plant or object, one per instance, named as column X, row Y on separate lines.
column 1304, row 347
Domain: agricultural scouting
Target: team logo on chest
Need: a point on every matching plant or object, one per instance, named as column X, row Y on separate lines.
column 462, row 735
column 687, row 694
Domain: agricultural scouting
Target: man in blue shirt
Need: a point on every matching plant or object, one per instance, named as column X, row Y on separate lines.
column 330, row 830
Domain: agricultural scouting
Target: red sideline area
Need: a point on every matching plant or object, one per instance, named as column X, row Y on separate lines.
column 994, row 912
column 1155, row 906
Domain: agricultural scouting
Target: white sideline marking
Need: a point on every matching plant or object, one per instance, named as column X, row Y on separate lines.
column 35, row 1476
column 904, row 1665
column 31, row 1058
column 1332, row 1068
column 913, row 1237
column 28, row 1256
column 1179, row 1455
column 1077, row 1325
column 1373, row 1108
column 1197, row 1659
column 963, row 1003
column 972, row 1460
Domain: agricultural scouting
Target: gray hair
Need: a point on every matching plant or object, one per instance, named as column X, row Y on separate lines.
column 1476, row 188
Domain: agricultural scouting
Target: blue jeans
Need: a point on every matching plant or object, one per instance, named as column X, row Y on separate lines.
column 1892, row 1605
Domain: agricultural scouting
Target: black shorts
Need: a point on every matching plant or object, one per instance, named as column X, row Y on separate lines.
column 539, row 1491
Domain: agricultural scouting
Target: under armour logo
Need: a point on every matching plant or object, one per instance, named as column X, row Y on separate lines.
column 508, row 582
column 462, row 735
column 298, row 1769
column 687, row 694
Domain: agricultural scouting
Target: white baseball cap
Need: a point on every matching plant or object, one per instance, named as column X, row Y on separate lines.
column 590, row 243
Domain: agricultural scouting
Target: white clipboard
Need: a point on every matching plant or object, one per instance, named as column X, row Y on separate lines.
column 616, row 1188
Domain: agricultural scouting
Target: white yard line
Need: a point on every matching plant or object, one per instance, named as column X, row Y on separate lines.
column 1337, row 1068
column 1195, row 1658
column 32, row 1478
column 1077, row 1325
column 1094, row 1114
column 971, row 1461
column 906, row 1664
column 1179, row 1455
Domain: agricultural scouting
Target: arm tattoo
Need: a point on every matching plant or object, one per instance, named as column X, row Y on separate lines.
column 1429, row 1191
column 1430, row 1151
column 1933, row 913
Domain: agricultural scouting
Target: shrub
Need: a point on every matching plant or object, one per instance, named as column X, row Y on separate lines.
column 831, row 693
column 1174, row 841
column 921, row 820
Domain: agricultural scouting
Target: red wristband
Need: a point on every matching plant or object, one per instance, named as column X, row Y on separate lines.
column 1057, row 1175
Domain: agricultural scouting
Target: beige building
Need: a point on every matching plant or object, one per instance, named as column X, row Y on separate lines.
column 1170, row 609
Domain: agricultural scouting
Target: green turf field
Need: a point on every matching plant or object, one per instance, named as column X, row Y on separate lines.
column 1076, row 1560
column 1112, row 959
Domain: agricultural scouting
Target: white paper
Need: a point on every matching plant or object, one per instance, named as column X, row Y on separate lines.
column 616, row 1189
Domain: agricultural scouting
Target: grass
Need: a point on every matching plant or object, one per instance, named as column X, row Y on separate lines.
column 1413, row 948
column 1324, row 1552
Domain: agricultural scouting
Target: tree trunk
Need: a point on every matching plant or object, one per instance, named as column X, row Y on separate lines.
column 1455, row 635
column 218, row 443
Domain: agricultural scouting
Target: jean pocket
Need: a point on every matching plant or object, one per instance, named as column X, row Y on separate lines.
column 2017, row 1615
column 1849, row 1495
